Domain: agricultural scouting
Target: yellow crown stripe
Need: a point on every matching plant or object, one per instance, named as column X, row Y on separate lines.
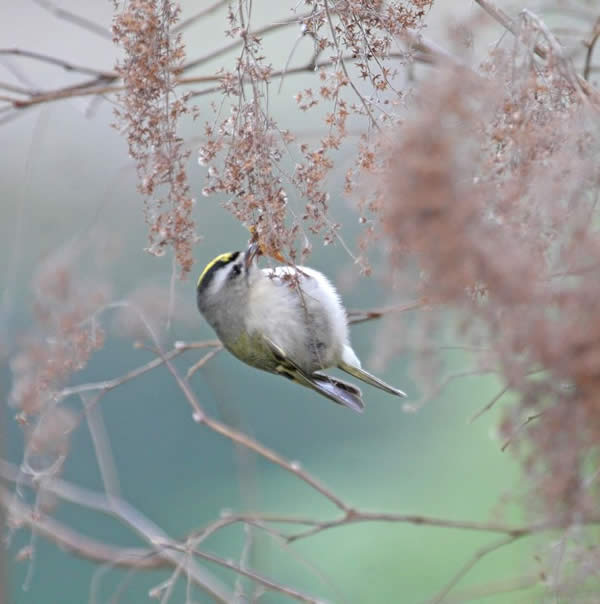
column 221, row 258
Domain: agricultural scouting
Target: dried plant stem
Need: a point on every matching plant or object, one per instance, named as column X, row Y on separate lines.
column 342, row 63
column 508, row 23
column 103, row 84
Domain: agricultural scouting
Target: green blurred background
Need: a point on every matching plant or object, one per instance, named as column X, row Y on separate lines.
column 65, row 174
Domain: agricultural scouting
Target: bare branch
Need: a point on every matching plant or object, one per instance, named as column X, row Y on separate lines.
column 203, row 360
column 590, row 49
column 205, row 12
column 361, row 316
column 477, row 556
column 529, row 419
column 271, row 585
column 82, row 22
column 507, row 22
column 100, row 552
column 489, row 405
column 223, row 50
column 66, row 65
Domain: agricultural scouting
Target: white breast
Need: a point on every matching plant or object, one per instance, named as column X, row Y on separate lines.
column 298, row 319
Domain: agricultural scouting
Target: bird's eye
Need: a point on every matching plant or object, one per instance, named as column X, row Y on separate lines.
column 236, row 269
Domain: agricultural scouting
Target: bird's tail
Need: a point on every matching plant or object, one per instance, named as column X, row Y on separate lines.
column 340, row 392
column 368, row 378
column 336, row 390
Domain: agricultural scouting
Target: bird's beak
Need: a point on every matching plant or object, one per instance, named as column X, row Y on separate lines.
column 250, row 254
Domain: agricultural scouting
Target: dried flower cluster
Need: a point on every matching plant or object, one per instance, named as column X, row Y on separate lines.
column 244, row 151
column 151, row 110
column 64, row 336
column 492, row 194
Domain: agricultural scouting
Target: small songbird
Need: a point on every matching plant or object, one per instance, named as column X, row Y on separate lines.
column 285, row 320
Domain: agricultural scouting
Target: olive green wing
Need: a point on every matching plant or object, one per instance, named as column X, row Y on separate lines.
column 336, row 390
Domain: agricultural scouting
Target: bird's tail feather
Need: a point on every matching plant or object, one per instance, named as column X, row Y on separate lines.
column 368, row 378
column 338, row 391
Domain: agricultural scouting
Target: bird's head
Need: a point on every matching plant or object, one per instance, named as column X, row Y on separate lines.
column 226, row 278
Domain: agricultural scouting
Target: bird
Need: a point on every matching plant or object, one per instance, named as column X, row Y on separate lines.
column 286, row 320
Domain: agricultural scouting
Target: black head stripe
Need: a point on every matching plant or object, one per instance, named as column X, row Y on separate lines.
column 213, row 266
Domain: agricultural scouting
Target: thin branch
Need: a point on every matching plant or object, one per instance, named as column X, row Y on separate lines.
column 101, row 442
column 100, row 552
column 284, row 589
column 519, row 428
column 66, row 65
column 489, row 405
column 477, row 556
column 76, row 543
column 440, row 387
column 124, row 557
column 203, row 360
column 14, row 89
column 508, row 23
column 342, row 63
column 232, row 434
column 590, row 49
column 157, row 557
column 292, row 467
column 358, row 516
column 495, row 588
column 361, row 316
column 65, row 15
column 205, row 12
column 223, row 50
column 102, row 86
column 101, row 503
column 107, row 385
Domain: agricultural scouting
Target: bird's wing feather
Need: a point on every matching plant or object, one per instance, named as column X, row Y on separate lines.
column 338, row 391
column 368, row 378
